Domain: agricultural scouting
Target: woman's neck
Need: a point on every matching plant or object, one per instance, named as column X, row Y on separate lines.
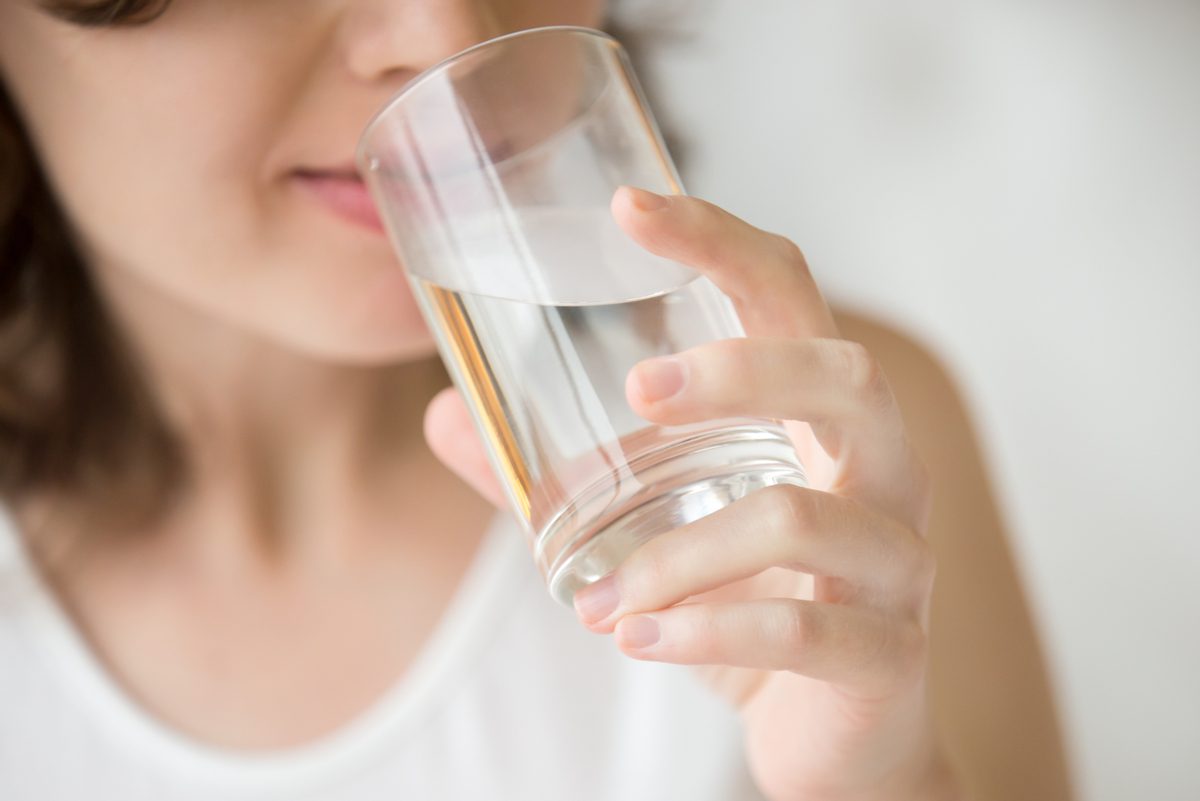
column 288, row 455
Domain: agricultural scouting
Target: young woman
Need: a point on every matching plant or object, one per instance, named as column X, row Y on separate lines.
column 233, row 561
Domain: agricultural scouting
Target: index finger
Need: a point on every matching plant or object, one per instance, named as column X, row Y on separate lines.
column 764, row 274
column 776, row 298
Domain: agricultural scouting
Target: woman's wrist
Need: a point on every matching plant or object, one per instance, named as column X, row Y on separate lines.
column 932, row 780
column 939, row 782
column 936, row 781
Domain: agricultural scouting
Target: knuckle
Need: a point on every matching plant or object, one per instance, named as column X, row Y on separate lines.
column 645, row 572
column 791, row 510
column 791, row 254
column 864, row 374
column 799, row 627
column 922, row 564
column 862, row 370
column 895, row 658
column 706, row 209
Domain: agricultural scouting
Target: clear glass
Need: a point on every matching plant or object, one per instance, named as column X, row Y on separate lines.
column 493, row 172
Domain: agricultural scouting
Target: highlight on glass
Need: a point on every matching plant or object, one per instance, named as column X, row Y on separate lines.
column 493, row 172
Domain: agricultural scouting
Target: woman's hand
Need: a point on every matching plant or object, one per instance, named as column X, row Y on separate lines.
column 807, row 608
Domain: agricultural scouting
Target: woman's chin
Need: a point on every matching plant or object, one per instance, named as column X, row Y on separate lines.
column 351, row 342
column 376, row 322
column 374, row 352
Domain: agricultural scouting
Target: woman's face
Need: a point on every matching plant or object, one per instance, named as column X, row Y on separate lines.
column 179, row 150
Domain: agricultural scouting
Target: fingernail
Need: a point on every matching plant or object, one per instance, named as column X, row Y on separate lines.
column 648, row 201
column 597, row 601
column 660, row 378
column 639, row 632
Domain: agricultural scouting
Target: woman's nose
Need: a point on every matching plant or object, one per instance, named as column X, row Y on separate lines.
column 383, row 39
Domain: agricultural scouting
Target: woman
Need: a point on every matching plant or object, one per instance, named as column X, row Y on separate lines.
column 224, row 427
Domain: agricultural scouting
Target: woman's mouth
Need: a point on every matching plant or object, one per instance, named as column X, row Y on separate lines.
column 343, row 193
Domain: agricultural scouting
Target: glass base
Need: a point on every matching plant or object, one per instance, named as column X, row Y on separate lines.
column 691, row 479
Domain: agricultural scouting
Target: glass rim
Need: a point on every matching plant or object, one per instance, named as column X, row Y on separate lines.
column 441, row 66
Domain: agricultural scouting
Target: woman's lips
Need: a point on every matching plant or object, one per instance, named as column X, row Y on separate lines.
column 343, row 194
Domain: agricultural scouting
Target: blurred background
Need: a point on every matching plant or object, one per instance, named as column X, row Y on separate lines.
column 1015, row 186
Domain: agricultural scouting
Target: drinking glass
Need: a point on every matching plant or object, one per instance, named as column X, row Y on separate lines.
column 493, row 172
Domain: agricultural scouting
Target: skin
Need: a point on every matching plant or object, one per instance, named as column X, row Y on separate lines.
column 286, row 351
column 281, row 341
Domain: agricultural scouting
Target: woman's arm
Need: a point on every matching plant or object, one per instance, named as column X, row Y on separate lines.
column 991, row 691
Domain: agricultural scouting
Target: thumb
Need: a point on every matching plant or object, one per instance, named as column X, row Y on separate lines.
column 452, row 438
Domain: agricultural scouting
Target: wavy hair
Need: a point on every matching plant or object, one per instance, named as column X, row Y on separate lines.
column 75, row 417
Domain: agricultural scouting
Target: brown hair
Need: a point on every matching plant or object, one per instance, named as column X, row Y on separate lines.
column 76, row 419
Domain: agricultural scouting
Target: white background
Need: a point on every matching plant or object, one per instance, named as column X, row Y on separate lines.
column 1017, row 186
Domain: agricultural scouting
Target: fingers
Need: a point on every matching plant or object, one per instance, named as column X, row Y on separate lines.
column 780, row 526
column 765, row 275
column 863, row 534
column 817, row 380
column 452, row 438
column 835, row 385
column 768, row 280
column 859, row 649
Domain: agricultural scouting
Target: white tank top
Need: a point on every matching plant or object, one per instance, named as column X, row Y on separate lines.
column 510, row 698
